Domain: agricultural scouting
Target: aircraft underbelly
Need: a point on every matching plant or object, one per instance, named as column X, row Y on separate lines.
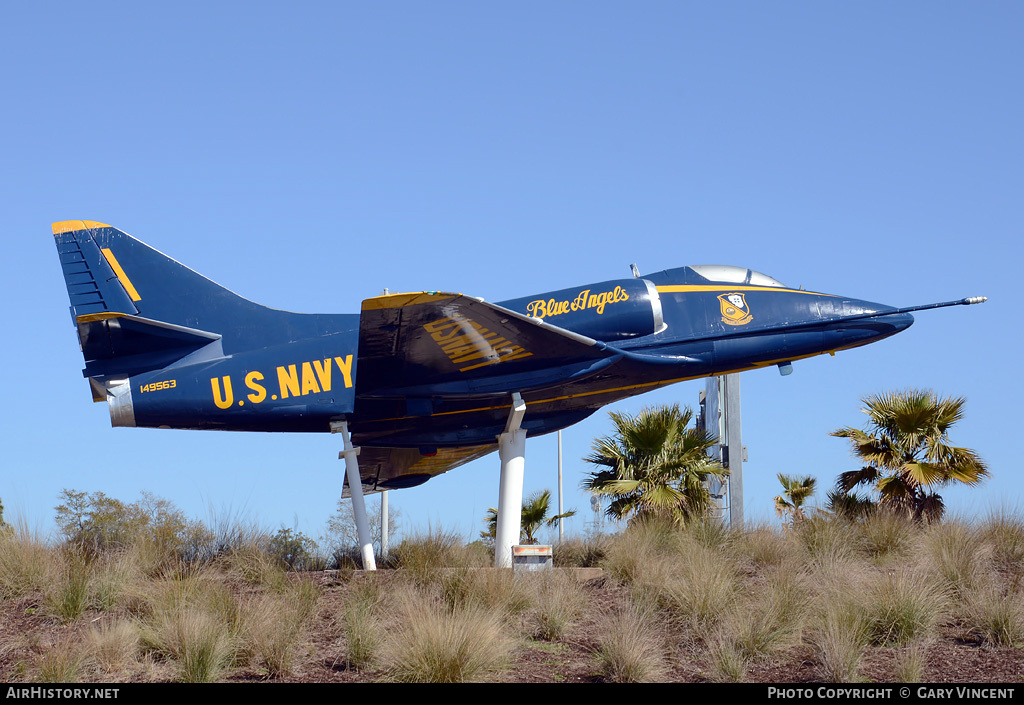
column 469, row 420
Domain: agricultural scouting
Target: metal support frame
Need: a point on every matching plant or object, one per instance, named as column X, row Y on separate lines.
column 355, row 486
column 733, row 441
column 384, row 527
column 512, row 452
column 561, row 530
column 720, row 415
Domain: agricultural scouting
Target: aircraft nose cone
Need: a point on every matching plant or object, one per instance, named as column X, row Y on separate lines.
column 859, row 330
column 897, row 321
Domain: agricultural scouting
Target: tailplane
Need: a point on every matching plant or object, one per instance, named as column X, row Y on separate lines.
column 138, row 310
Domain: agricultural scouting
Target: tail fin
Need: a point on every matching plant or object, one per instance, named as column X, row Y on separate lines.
column 138, row 310
column 108, row 271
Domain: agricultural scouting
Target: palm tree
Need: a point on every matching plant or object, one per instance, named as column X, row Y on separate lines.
column 653, row 465
column 907, row 452
column 851, row 506
column 534, row 516
column 795, row 491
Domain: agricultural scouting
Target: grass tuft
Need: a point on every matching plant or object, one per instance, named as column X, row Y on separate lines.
column 558, row 602
column 68, row 596
column 629, row 648
column 841, row 632
column 363, row 625
column 438, row 645
column 114, row 644
column 62, row 664
column 905, row 606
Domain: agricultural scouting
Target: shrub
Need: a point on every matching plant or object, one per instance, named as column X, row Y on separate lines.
column 425, row 557
column 437, row 645
column 68, row 596
column 61, row 664
column 558, row 601
column 580, row 552
column 994, row 617
column 694, row 586
column 629, row 648
column 956, row 555
column 113, row 644
column 905, row 607
column 886, row 534
column 26, row 562
column 840, row 635
column 362, row 624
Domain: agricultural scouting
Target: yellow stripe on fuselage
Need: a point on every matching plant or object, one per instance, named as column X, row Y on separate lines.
column 121, row 276
column 688, row 288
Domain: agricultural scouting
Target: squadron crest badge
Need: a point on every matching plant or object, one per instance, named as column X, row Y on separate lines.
column 734, row 310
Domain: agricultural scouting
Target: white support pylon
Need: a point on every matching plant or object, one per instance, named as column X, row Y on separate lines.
column 355, row 486
column 512, row 452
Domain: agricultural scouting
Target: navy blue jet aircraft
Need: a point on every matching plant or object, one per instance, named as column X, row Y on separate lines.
column 425, row 380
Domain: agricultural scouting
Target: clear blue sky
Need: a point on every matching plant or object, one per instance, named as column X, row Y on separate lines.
column 307, row 155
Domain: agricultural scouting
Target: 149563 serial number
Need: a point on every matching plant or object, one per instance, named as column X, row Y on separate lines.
column 158, row 386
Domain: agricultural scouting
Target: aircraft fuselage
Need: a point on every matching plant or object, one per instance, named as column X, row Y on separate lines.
column 425, row 380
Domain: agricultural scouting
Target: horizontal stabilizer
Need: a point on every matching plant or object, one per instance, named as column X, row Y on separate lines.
column 114, row 344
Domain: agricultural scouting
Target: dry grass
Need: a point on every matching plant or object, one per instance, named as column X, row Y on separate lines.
column 887, row 537
column 438, row 644
column 363, row 624
column 911, row 661
column 905, row 606
column 67, row 596
column 558, row 603
column 993, row 616
column 693, row 584
column 957, row 557
column 63, row 663
column 113, row 644
column 836, row 600
column 27, row 562
column 630, row 648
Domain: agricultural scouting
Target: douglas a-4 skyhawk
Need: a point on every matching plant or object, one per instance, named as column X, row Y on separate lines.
column 426, row 381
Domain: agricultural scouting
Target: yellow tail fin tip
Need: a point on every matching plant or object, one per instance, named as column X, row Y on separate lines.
column 70, row 226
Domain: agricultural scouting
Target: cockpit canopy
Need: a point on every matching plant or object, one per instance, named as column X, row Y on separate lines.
column 734, row 275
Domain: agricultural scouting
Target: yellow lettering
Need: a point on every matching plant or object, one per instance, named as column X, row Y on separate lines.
column 251, row 381
column 309, row 380
column 442, row 337
column 492, row 350
column 288, row 379
column 323, row 373
column 468, row 341
column 345, row 365
column 583, row 301
column 228, row 398
column 441, row 324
